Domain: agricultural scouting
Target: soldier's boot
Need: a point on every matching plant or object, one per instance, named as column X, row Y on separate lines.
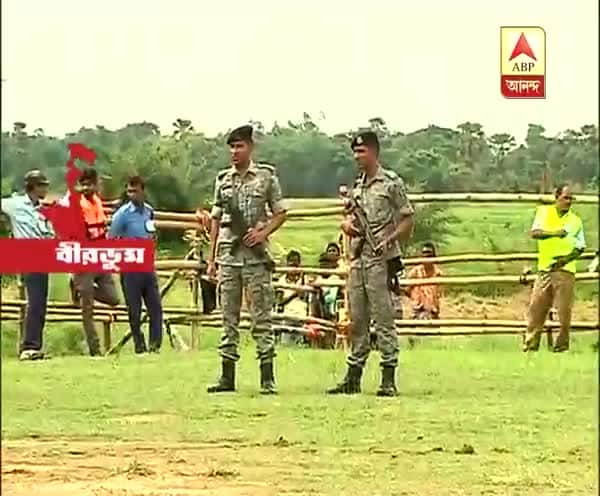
column 350, row 383
column 227, row 380
column 388, row 382
column 267, row 378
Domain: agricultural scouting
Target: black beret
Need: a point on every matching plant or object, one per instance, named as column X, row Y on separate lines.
column 242, row 133
column 35, row 177
column 366, row 138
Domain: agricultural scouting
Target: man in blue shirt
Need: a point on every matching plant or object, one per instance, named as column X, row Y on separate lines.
column 23, row 212
column 134, row 219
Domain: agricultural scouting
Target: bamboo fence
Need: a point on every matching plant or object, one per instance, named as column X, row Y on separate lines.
column 175, row 269
column 455, row 327
column 183, row 220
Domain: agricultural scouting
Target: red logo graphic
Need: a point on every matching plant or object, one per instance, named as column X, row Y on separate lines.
column 522, row 47
column 67, row 220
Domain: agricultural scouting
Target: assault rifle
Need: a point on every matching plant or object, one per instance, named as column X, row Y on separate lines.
column 352, row 206
column 240, row 227
column 395, row 264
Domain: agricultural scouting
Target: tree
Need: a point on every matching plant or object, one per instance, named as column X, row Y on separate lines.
column 501, row 144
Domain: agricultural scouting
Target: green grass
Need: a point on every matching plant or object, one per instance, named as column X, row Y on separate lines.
column 531, row 420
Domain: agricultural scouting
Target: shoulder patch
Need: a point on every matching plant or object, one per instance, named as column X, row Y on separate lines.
column 390, row 174
column 221, row 174
column 264, row 165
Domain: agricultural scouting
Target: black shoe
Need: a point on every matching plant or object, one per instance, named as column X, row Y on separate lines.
column 388, row 382
column 227, row 379
column 139, row 345
column 267, row 380
column 350, row 384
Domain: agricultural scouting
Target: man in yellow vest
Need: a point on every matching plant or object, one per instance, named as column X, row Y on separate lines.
column 559, row 233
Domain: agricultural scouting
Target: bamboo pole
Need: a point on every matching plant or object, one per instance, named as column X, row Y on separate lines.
column 194, row 305
column 455, row 332
column 447, row 280
column 9, row 316
column 188, row 265
column 413, row 197
column 489, row 324
column 107, row 335
column 467, row 280
column 439, row 331
column 120, row 312
column 483, row 257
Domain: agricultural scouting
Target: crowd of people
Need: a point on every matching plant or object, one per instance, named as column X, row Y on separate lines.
column 133, row 219
column 248, row 207
column 328, row 302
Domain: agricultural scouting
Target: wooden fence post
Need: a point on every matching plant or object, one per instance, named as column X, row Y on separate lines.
column 194, row 305
column 107, row 335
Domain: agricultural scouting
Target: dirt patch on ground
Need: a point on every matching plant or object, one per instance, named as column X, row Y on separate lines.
column 144, row 418
column 124, row 469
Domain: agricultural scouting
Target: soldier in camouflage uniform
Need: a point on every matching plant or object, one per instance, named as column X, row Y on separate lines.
column 243, row 192
column 382, row 195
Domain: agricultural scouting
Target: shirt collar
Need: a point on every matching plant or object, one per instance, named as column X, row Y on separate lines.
column 29, row 201
column 132, row 207
column 250, row 170
column 379, row 176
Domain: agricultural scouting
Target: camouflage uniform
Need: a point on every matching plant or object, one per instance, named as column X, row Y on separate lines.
column 257, row 188
column 385, row 202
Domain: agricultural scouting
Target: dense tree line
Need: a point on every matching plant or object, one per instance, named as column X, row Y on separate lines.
column 180, row 165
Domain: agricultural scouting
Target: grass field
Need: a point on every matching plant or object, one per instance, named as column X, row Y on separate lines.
column 475, row 416
column 469, row 422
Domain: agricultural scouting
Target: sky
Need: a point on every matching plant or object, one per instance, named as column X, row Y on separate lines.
column 74, row 63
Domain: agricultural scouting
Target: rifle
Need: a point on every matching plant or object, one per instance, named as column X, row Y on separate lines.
column 395, row 264
column 352, row 206
column 240, row 227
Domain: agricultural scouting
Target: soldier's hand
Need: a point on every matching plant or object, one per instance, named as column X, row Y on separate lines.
column 254, row 237
column 349, row 228
column 211, row 270
column 561, row 233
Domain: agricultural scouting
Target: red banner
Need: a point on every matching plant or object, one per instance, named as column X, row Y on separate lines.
column 20, row 256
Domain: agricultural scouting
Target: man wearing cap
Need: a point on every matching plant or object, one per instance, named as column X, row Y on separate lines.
column 239, row 232
column 135, row 219
column 23, row 211
column 389, row 215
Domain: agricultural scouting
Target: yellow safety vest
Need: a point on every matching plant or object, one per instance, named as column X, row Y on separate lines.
column 548, row 249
